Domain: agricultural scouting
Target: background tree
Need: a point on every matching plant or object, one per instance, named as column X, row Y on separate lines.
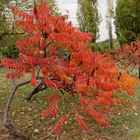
column 88, row 17
column 127, row 20
column 4, row 15
column 8, row 30
column 127, row 23
column 128, row 55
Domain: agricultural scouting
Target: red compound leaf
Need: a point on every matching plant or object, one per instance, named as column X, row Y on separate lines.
column 59, row 124
column 50, row 83
column 51, row 110
column 80, row 121
column 52, row 97
column 34, row 81
column 52, row 50
column 43, row 44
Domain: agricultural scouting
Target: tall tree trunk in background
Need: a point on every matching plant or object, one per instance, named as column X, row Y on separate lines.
column 139, row 72
column 109, row 17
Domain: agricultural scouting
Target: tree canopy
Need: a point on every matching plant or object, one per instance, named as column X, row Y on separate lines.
column 127, row 20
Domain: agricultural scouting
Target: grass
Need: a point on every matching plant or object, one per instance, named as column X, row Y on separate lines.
column 102, row 46
column 125, row 119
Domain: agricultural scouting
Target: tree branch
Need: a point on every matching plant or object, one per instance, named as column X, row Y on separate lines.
column 8, row 33
column 36, row 90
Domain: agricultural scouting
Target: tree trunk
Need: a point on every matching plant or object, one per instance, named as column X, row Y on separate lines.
column 6, row 119
column 139, row 72
column 109, row 22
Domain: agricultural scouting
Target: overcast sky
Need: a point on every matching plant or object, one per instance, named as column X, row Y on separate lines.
column 71, row 6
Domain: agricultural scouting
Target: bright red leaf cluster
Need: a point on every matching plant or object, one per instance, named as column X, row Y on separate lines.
column 58, row 54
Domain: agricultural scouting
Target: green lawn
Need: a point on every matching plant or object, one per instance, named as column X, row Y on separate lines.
column 125, row 119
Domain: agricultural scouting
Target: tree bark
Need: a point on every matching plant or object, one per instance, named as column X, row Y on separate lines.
column 6, row 119
column 139, row 72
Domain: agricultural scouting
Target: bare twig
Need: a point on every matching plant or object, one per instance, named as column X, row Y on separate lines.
column 46, row 136
column 8, row 33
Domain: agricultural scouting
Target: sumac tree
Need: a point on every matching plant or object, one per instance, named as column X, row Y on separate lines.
column 90, row 76
column 128, row 55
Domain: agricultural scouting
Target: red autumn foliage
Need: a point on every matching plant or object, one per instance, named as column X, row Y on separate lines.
column 81, row 122
column 57, row 127
column 34, row 81
column 51, row 110
column 129, row 55
column 92, row 76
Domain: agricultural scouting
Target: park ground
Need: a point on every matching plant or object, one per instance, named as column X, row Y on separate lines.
column 125, row 119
